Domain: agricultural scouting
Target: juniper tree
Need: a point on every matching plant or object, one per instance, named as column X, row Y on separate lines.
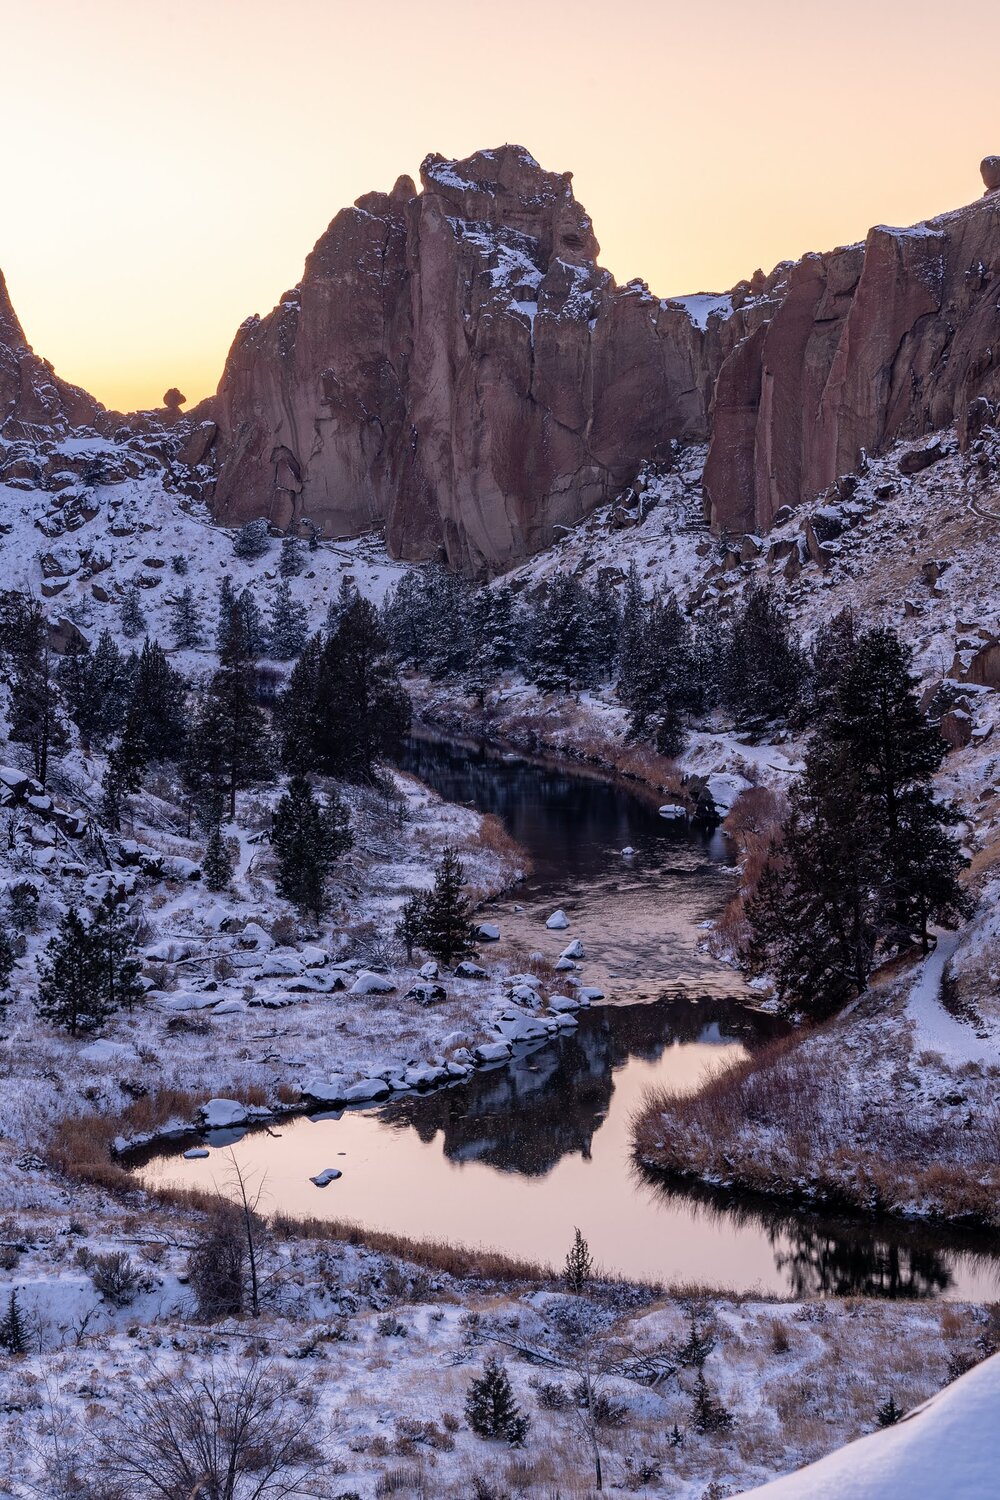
column 7, row 962
column 36, row 709
column 562, row 647
column 185, row 620
column 410, row 926
column 71, row 988
column 228, row 746
column 490, row 1406
column 579, row 1264
column 112, row 936
column 217, row 866
column 888, row 1414
column 308, row 839
column 287, row 626
column 446, row 925
column 298, row 714
column 13, row 1327
column 356, row 711
column 159, row 694
column 96, row 686
column 125, row 769
column 252, row 540
column 133, row 620
column 290, row 559
column 605, row 624
column 708, row 1414
column 227, row 602
column 254, row 630
column 763, row 667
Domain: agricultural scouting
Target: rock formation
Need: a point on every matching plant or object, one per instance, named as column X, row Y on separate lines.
column 33, row 400
column 456, row 366
column 889, row 339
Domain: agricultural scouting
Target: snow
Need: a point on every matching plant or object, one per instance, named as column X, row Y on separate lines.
column 219, row 1114
column 700, row 307
column 946, row 1449
column 328, row 1175
column 936, row 1030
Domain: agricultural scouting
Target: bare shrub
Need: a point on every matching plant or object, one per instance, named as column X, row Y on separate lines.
column 116, row 1277
column 232, row 1432
column 217, row 1265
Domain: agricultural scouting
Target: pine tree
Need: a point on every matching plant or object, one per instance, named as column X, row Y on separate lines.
column 290, row 559
column 298, row 715
column 605, row 624
column 707, row 1412
column 889, row 1413
column 308, row 840
column 185, row 620
column 13, row 1328
column 133, row 620
column 125, row 769
column 359, row 712
column 71, row 989
column 217, row 866
column 763, row 667
column 159, row 697
column 288, row 624
column 579, row 1264
column 114, row 946
column 832, row 650
column 412, row 920
column 490, row 1407
column 563, row 655
column 252, row 540
column 36, row 709
column 631, row 634
column 254, row 631
column 227, row 603
column 446, row 932
column 228, row 746
column 7, row 962
column 96, row 686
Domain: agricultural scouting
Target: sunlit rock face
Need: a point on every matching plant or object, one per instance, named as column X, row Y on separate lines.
column 34, row 402
column 889, row 339
column 455, row 365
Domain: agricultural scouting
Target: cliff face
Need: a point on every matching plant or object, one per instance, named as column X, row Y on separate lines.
column 889, row 339
column 33, row 400
column 456, row 365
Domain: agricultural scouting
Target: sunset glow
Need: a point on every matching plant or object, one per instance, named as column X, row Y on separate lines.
column 168, row 168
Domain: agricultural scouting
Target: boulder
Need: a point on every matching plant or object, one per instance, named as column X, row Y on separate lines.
column 468, row 970
column 368, row 983
column 558, row 921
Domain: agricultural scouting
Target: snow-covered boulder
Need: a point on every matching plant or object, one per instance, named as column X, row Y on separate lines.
column 559, row 1003
column 257, row 937
column 427, row 994
column 590, row 992
column 526, row 994
column 573, row 949
column 220, row 1114
column 628, row 852
column 563, row 965
column 328, row 1175
column 281, row 964
column 724, row 787
column 467, row 970
column 368, row 983
column 492, row 1052
column 489, row 932
column 196, row 1153
column 672, row 811
column 429, row 970
column 365, row 1090
column 103, row 1051
column 313, row 957
column 171, row 951
column 558, row 921
column 327, row 1091
column 521, row 1028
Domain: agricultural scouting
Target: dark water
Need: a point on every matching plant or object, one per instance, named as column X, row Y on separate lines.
column 519, row 1155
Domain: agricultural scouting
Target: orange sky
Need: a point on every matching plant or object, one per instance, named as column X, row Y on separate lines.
column 167, row 166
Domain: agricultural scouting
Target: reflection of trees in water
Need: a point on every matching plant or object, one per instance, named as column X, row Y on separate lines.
column 831, row 1256
column 547, row 1104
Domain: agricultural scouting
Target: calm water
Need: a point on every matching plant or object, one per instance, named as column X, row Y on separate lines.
column 519, row 1155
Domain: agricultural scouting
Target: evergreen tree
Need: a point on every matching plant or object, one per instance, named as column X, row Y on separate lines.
column 833, row 647
column 412, row 918
column 889, row 1413
column 112, row 937
column 579, row 1264
column 7, row 962
column 308, row 840
column 605, row 624
column 657, row 684
column 228, row 746
column 71, row 988
column 133, row 619
column 227, row 603
column 125, row 769
column 290, row 559
column 490, row 1407
column 252, row 540
column 287, row 627
column 763, row 667
column 185, row 620
column 707, row 1412
column 13, row 1328
column 446, row 932
column 359, row 712
column 217, row 866
column 631, row 634
column 159, row 695
column 563, row 655
column 298, row 715
column 36, row 709
column 254, row 631
column 96, row 686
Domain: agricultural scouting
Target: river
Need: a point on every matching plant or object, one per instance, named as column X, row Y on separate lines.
column 521, row 1154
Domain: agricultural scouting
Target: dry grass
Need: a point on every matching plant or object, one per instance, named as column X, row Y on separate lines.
column 461, row 1261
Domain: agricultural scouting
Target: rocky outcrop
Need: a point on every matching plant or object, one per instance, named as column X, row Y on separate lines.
column 34, row 402
column 456, row 366
column 869, row 344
